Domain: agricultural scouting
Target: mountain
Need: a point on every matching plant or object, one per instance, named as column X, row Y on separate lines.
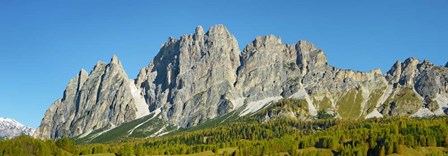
column 204, row 77
column 103, row 98
column 10, row 128
column 191, row 79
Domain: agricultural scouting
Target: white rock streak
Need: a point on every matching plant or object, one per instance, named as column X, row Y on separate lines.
column 374, row 114
column 256, row 105
column 100, row 133
column 237, row 103
column 141, row 105
column 301, row 94
column 422, row 112
column 442, row 101
column 156, row 112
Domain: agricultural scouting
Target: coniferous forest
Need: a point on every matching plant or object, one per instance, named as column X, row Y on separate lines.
column 254, row 136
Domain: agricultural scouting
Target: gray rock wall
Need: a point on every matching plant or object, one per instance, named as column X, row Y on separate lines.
column 204, row 75
column 92, row 101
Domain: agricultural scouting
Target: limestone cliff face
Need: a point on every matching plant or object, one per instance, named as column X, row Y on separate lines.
column 102, row 99
column 192, row 79
column 204, row 75
column 272, row 69
column 417, row 85
column 268, row 69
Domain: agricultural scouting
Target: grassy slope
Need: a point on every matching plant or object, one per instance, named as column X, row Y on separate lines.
column 350, row 104
column 122, row 132
column 154, row 125
column 405, row 100
column 226, row 119
column 324, row 104
column 373, row 100
column 349, row 107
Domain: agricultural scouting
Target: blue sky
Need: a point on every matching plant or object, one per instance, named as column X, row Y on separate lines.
column 44, row 44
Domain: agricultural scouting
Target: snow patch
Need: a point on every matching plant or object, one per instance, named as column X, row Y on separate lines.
column 422, row 112
column 141, row 105
column 301, row 94
column 10, row 128
column 374, row 114
column 155, row 112
column 257, row 105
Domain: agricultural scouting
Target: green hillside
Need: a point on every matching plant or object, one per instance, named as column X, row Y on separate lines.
column 397, row 136
column 254, row 135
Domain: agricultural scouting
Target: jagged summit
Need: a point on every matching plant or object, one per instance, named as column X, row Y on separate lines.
column 203, row 76
column 199, row 31
column 10, row 128
column 218, row 30
column 115, row 60
column 188, row 73
column 265, row 40
column 411, row 60
column 104, row 98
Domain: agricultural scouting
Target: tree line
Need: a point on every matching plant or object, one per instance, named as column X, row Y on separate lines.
column 254, row 135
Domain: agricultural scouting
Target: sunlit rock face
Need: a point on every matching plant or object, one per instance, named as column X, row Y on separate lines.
column 205, row 75
column 103, row 98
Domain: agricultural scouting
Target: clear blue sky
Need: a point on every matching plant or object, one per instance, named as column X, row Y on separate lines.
column 44, row 44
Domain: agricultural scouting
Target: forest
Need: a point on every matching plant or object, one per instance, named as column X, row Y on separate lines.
column 254, row 136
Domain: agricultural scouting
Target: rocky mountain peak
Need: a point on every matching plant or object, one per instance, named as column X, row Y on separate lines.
column 265, row 41
column 199, row 31
column 199, row 69
column 115, row 60
column 446, row 65
column 75, row 84
column 427, row 80
column 393, row 74
column 218, row 30
column 202, row 76
column 410, row 63
column 169, row 41
column 404, row 73
column 83, row 72
column 80, row 77
column 102, row 99
column 397, row 63
column 115, row 66
column 266, row 64
column 377, row 71
column 10, row 128
column 308, row 46
column 310, row 57
column 98, row 66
